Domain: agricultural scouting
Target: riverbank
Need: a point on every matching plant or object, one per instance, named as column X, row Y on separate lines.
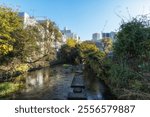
column 46, row 83
column 10, row 76
column 9, row 87
column 136, row 89
column 7, row 72
column 123, row 83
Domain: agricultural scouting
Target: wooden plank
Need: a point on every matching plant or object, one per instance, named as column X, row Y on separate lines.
column 77, row 96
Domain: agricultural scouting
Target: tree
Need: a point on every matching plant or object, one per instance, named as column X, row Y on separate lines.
column 107, row 45
column 68, row 53
column 132, row 45
column 85, row 48
column 9, row 23
column 71, row 42
column 51, row 36
column 73, row 52
column 26, row 44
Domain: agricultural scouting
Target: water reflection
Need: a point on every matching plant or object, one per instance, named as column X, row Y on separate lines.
column 46, row 84
column 37, row 79
column 54, row 83
column 94, row 89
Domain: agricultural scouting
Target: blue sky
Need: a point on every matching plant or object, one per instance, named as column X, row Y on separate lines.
column 83, row 17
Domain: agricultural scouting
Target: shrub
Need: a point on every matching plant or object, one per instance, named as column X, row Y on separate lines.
column 120, row 76
column 132, row 43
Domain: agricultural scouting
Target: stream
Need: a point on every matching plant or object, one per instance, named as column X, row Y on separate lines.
column 54, row 84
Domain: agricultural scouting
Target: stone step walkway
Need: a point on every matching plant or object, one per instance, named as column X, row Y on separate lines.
column 78, row 86
column 78, row 82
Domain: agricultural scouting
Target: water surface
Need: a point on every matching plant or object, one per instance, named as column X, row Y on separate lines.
column 47, row 83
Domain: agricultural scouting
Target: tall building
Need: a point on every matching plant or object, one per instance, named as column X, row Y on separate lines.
column 96, row 37
column 112, row 35
column 68, row 34
column 109, row 35
column 27, row 19
column 105, row 35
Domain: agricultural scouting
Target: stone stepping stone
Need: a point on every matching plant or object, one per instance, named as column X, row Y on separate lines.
column 77, row 82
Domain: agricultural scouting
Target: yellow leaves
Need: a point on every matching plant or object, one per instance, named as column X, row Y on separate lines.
column 9, row 20
column 71, row 42
column 22, row 68
column 5, row 49
column 88, row 47
column 9, row 23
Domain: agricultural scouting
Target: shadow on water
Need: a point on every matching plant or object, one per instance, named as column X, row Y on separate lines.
column 96, row 89
column 46, row 84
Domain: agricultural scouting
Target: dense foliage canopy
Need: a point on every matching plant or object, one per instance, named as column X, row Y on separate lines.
column 26, row 44
column 133, row 41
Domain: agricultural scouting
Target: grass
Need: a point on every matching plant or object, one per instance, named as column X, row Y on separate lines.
column 8, row 88
column 130, row 94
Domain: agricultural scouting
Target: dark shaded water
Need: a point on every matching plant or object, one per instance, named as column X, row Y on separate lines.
column 95, row 89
